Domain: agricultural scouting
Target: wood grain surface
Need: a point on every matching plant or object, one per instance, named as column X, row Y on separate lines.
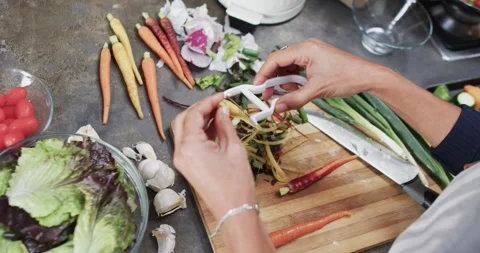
column 381, row 210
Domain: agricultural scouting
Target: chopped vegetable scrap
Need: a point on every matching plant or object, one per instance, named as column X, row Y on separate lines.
column 470, row 96
column 210, row 81
column 306, row 180
column 287, row 235
column 165, row 235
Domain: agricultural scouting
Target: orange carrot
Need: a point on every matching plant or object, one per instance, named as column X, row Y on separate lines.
column 149, row 38
column 105, row 61
column 286, row 235
column 306, row 180
column 150, row 74
column 172, row 37
column 153, row 25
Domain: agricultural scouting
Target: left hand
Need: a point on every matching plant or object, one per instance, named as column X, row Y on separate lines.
column 219, row 171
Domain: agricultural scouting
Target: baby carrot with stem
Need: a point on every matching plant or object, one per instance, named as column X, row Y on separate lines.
column 172, row 37
column 150, row 74
column 149, row 38
column 123, row 63
column 286, row 235
column 155, row 27
column 306, row 180
column 105, row 62
column 119, row 30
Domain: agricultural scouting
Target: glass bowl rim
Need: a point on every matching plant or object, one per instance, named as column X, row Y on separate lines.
column 133, row 175
column 47, row 92
column 362, row 30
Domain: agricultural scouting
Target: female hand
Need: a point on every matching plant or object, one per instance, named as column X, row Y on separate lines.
column 219, row 171
column 330, row 73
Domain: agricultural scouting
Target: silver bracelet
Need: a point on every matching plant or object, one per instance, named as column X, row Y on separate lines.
column 233, row 212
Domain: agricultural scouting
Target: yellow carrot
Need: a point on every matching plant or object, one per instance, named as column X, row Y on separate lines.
column 105, row 62
column 119, row 30
column 150, row 74
column 121, row 58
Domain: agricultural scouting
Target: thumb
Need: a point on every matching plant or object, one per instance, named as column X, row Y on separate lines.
column 296, row 99
column 226, row 133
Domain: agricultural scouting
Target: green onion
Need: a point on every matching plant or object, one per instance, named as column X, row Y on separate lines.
column 339, row 114
column 418, row 150
column 366, row 125
column 303, row 115
column 294, row 119
column 250, row 52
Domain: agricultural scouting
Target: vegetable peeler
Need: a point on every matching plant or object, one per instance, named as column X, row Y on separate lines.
column 249, row 92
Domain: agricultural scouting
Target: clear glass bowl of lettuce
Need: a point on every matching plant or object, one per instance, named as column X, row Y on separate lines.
column 70, row 193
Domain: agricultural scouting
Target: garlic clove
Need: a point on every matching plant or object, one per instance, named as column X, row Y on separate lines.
column 130, row 153
column 165, row 235
column 146, row 150
column 141, row 165
column 168, row 201
column 148, row 169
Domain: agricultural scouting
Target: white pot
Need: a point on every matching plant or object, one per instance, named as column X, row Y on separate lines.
column 263, row 11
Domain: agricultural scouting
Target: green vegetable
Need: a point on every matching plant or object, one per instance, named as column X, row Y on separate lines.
column 48, row 173
column 232, row 45
column 364, row 124
column 250, row 52
column 294, row 119
column 372, row 115
column 442, row 92
column 8, row 246
column 422, row 154
column 303, row 115
column 244, row 102
column 5, row 174
column 339, row 114
column 64, row 248
column 464, row 98
column 105, row 229
column 210, row 80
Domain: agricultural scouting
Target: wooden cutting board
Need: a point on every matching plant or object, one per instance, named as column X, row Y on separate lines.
column 381, row 209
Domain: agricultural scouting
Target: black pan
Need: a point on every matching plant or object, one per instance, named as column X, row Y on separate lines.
column 462, row 11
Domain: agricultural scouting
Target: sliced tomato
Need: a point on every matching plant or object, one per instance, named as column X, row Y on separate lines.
column 16, row 94
column 24, row 109
column 11, row 138
column 26, row 126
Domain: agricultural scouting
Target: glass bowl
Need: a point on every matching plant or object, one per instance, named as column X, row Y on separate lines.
column 388, row 25
column 38, row 94
column 132, row 174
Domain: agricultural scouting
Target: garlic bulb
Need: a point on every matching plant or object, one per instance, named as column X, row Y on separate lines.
column 146, row 150
column 165, row 235
column 156, row 174
column 168, row 201
column 130, row 153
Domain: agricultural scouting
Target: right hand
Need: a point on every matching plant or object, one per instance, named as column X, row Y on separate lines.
column 331, row 72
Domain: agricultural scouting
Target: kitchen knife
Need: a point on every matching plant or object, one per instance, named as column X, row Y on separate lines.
column 400, row 171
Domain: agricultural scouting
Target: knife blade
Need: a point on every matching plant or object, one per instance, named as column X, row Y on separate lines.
column 379, row 157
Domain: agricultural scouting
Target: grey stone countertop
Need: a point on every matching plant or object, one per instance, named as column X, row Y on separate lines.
column 60, row 40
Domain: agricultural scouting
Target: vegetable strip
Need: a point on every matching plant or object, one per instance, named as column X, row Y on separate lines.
column 286, row 235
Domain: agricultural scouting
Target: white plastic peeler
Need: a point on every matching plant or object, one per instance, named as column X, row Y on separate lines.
column 249, row 92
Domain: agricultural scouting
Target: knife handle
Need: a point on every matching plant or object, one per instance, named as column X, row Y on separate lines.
column 420, row 193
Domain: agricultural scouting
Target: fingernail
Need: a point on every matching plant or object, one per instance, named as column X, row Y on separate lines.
column 281, row 108
column 225, row 110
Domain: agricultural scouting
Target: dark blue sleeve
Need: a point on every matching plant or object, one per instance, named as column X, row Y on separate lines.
column 462, row 145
